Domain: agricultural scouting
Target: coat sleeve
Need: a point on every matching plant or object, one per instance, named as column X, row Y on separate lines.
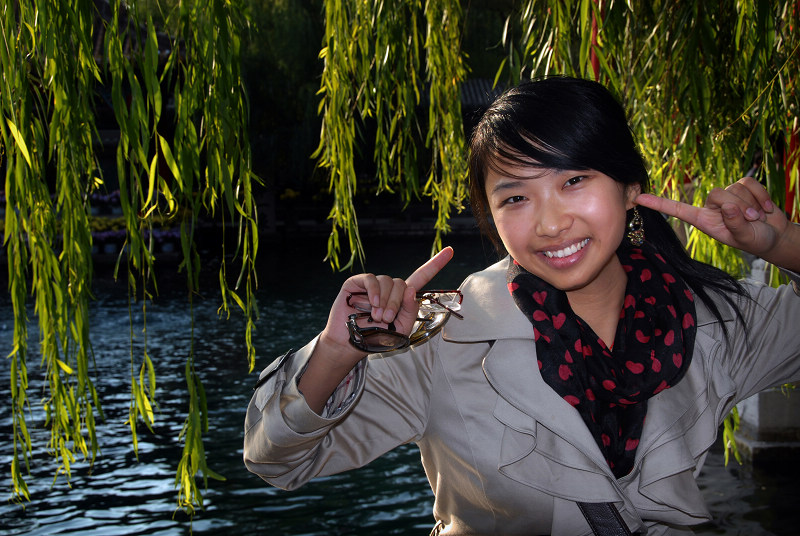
column 287, row 444
column 766, row 351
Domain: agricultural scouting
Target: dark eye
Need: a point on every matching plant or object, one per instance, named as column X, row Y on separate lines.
column 513, row 199
column 574, row 180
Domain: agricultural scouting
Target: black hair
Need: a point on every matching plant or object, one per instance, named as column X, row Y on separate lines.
column 569, row 123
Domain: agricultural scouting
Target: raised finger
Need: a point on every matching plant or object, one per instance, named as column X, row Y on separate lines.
column 427, row 271
column 683, row 211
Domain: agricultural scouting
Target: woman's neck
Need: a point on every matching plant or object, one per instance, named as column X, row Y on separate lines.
column 600, row 307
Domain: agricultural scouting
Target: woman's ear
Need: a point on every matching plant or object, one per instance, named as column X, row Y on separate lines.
column 632, row 191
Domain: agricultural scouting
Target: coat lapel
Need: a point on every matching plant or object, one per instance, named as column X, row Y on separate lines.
column 513, row 372
column 536, row 418
column 511, row 366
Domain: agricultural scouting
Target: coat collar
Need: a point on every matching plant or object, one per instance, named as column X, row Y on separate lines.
column 491, row 315
column 488, row 309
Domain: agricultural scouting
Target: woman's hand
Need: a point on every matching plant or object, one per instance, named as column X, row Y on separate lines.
column 742, row 216
column 387, row 300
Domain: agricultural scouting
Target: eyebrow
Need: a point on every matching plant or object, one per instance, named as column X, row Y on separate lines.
column 505, row 185
column 510, row 181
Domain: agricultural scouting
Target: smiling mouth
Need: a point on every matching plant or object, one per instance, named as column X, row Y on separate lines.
column 567, row 251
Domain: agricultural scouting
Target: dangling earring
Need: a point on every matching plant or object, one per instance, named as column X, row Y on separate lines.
column 636, row 229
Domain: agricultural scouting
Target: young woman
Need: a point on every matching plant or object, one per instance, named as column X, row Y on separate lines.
column 588, row 370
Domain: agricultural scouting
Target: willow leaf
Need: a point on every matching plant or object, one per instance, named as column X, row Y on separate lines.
column 20, row 141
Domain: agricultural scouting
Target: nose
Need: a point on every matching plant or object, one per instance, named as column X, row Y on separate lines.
column 552, row 218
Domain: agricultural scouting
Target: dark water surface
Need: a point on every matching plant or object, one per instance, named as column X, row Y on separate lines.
column 390, row 496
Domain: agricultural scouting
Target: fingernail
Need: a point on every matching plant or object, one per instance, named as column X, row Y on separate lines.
column 752, row 214
column 769, row 206
column 388, row 315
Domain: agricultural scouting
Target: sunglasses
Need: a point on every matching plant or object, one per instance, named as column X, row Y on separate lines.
column 435, row 308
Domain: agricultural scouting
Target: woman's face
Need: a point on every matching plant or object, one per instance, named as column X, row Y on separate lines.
column 562, row 226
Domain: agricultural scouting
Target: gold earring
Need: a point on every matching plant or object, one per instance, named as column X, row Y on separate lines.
column 636, row 229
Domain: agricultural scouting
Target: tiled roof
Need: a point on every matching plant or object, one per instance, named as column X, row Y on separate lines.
column 478, row 93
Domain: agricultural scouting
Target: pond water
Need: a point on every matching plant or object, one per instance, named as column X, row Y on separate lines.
column 123, row 495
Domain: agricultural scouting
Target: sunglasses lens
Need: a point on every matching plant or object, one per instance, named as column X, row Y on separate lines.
column 434, row 309
column 383, row 341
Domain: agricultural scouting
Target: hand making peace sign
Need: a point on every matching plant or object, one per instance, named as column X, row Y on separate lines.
column 742, row 216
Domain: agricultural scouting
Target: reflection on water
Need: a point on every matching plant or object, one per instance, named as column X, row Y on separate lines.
column 390, row 496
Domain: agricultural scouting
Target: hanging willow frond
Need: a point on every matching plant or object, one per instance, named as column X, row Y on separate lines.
column 446, row 183
column 48, row 80
column 55, row 55
column 396, row 95
column 214, row 159
column 707, row 86
column 344, row 53
column 372, row 52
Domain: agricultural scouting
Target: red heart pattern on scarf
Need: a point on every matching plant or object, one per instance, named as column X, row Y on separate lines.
column 652, row 349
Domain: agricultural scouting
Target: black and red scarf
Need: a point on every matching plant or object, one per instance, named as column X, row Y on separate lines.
column 652, row 349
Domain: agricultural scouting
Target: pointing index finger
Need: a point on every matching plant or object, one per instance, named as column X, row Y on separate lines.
column 683, row 211
column 427, row 271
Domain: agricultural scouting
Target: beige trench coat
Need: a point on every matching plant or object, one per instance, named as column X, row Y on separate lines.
column 503, row 453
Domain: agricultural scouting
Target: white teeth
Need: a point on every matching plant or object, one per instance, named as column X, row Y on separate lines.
column 566, row 252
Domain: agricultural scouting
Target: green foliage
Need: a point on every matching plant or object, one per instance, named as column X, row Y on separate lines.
column 372, row 53
column 707, row 85
column 446, row 183
column 729, row 427
column 195, row 164
column 48, row 78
